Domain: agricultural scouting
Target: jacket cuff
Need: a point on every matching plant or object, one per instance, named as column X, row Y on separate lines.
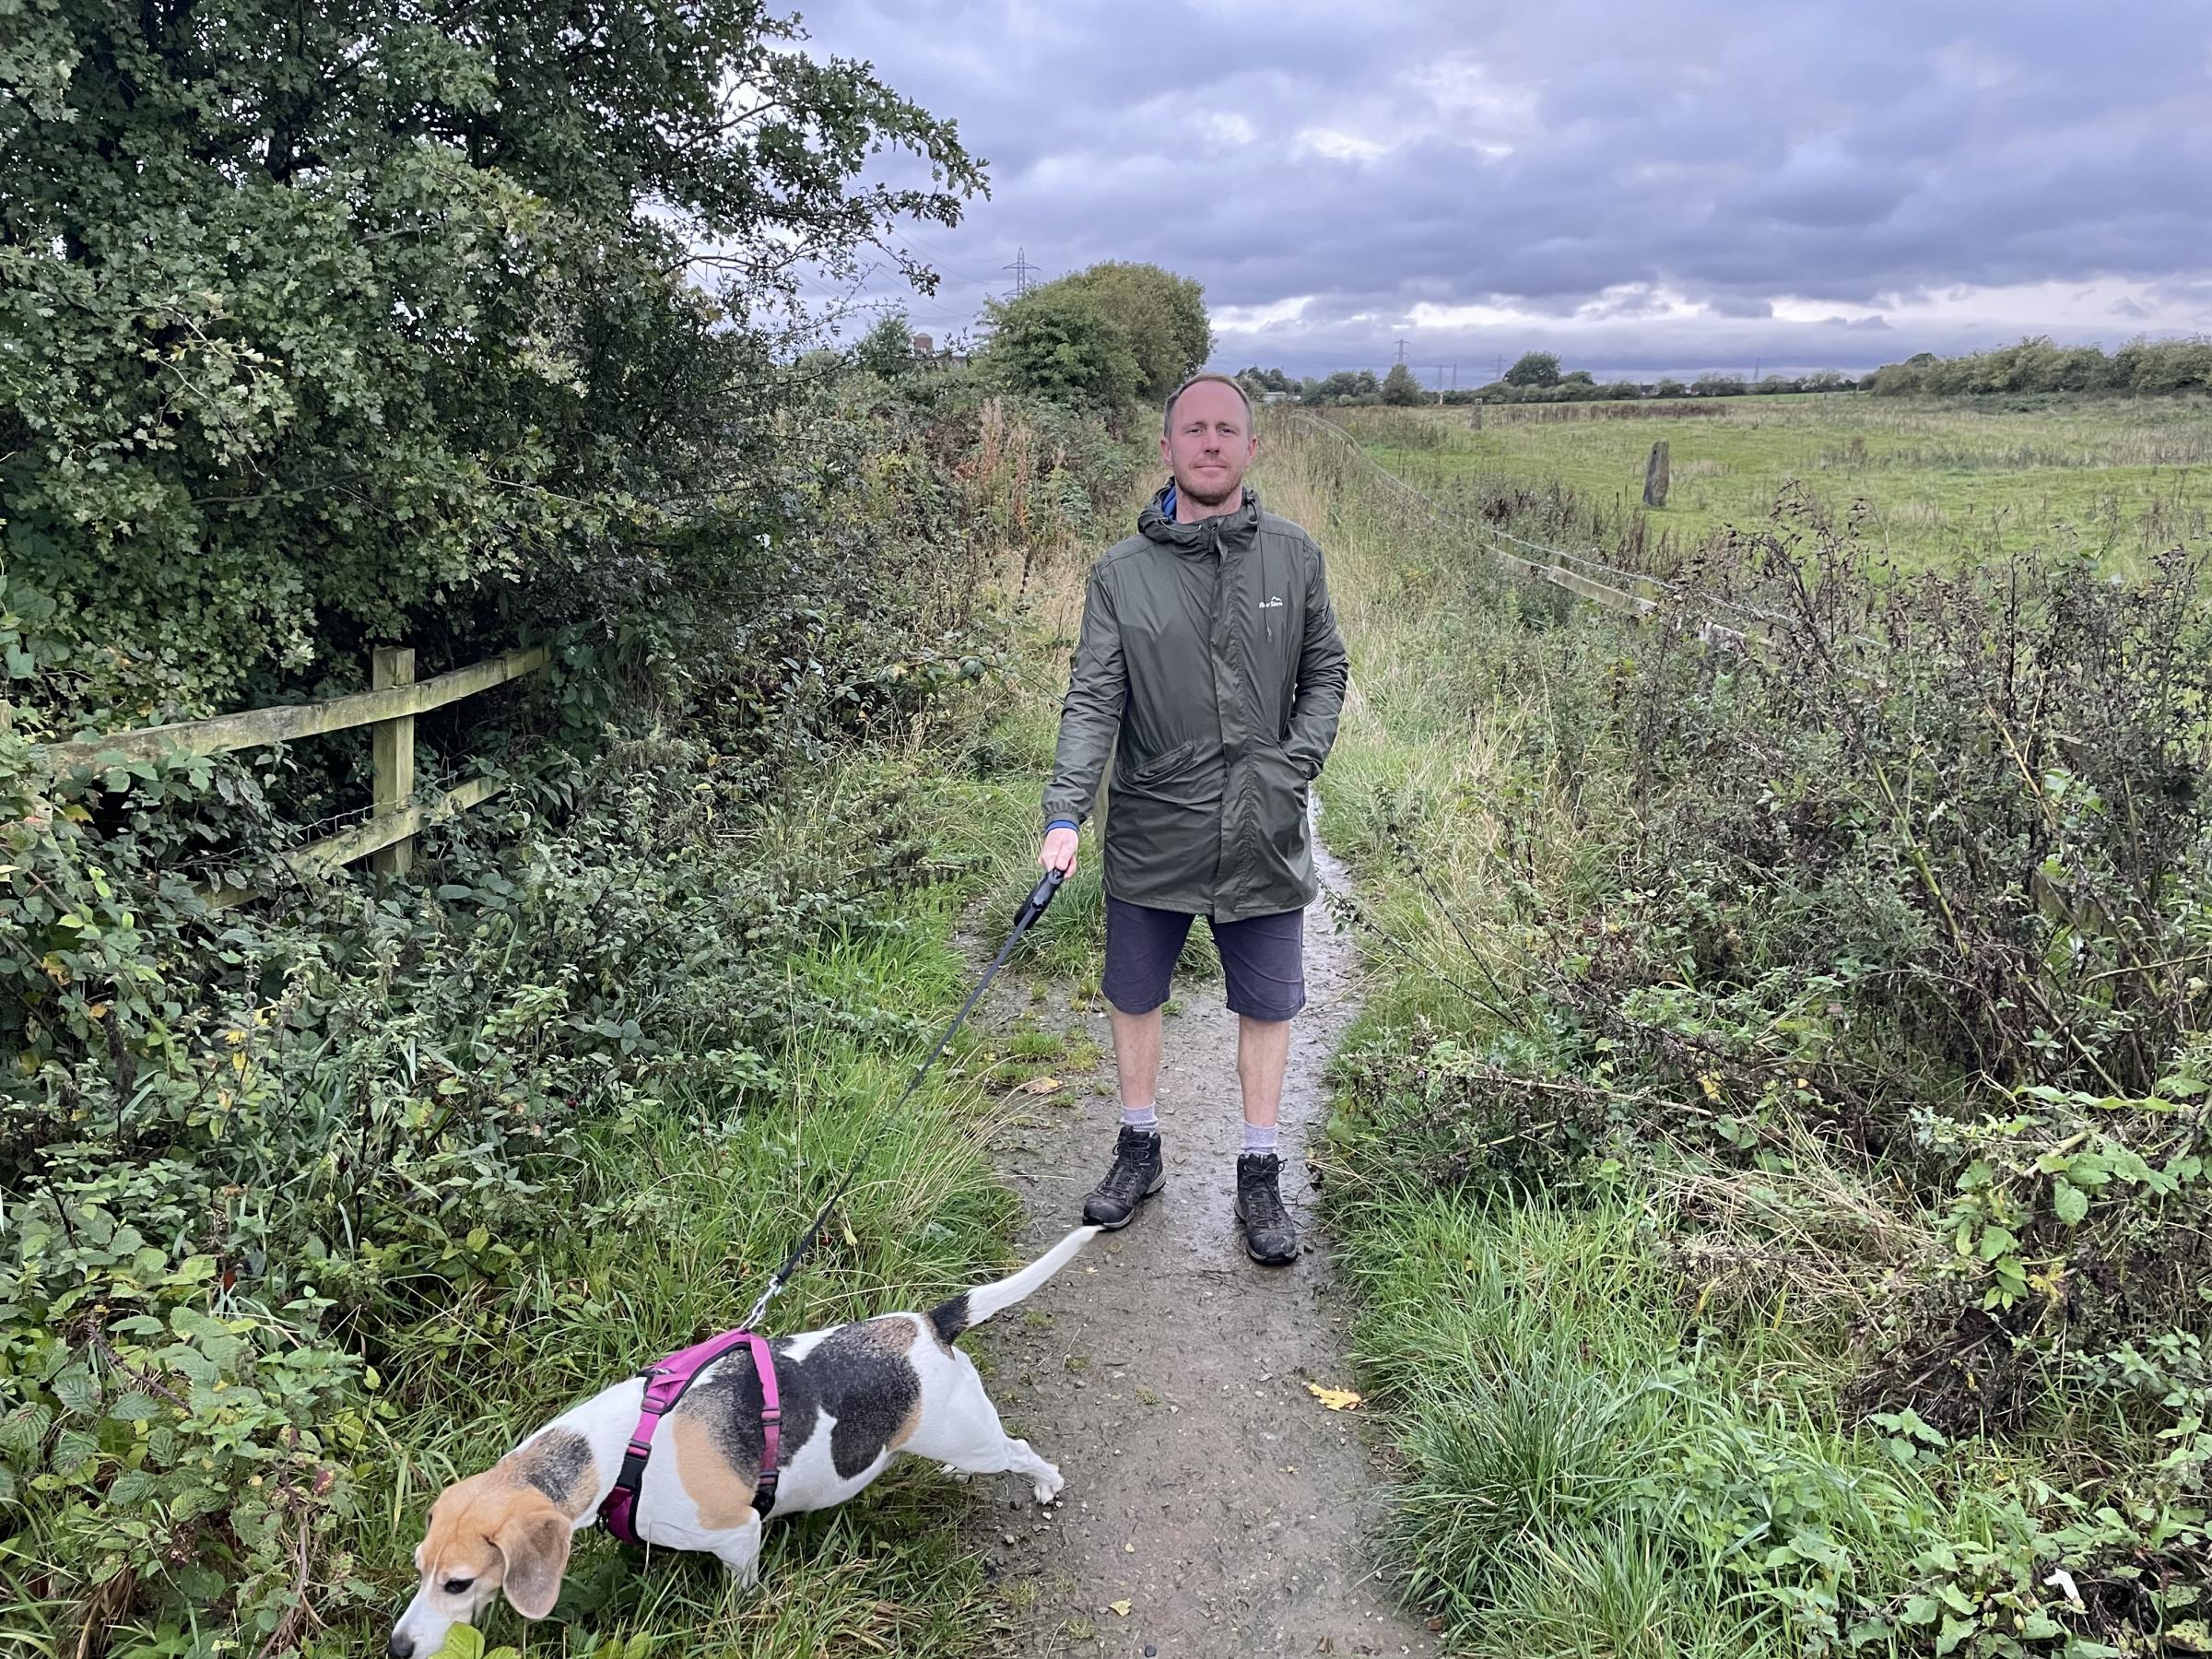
column 1062, row 823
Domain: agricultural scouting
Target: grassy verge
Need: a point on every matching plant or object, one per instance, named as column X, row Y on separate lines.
column 1669, row 1209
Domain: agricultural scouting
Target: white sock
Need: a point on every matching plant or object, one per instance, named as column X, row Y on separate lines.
column 1259, row 1138
column 1144, row 1119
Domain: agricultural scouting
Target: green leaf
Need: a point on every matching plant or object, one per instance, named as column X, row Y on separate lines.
column 77, row 1390
column 1954, row 1631
column 1920, row 1610
column 2071, row 1202
column 73, row 1448
column 463, row 1642
column 131, row 1488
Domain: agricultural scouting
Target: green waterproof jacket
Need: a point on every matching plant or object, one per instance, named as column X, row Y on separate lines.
column 1210, row 669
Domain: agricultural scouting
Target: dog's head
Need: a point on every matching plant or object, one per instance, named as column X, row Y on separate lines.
column 489, row 1535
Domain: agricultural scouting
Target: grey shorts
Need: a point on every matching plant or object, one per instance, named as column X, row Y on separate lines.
column 1262, row 956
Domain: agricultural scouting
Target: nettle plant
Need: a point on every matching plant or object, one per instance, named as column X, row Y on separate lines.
column 2056, row 1201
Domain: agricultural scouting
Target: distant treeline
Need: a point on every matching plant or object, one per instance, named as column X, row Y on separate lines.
column 1535, row 379
column 2147, row 367
column 2035, row 365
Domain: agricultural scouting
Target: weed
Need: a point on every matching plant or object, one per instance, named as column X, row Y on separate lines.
column 1705, row 1157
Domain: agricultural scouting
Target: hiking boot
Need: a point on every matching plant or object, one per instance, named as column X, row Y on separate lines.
column 1270, row 1237
column 1137, row 1173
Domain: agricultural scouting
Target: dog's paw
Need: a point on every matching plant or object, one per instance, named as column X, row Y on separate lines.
column 959, row 1474
column 1048, row 1486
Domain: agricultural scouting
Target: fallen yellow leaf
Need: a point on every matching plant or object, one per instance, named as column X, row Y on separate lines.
column 1038, row 1085
column 1336, row 1399
column 1121, row 1607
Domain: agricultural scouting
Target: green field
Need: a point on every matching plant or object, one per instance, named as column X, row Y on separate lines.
column 1925, row 482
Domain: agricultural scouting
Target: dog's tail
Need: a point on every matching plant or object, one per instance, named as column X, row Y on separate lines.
column 970, row 1308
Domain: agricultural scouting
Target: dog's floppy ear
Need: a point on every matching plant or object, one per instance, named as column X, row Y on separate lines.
column 534, row 1543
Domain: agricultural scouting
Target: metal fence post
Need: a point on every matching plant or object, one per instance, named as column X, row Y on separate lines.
column 393, row 756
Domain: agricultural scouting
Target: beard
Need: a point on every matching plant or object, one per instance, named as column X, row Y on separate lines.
column 1232, row 490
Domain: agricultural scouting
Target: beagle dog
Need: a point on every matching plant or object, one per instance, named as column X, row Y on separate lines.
column 854, row 1396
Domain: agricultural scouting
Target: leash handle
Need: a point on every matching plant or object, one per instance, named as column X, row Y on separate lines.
column 1040, row 896
column 1031, row 907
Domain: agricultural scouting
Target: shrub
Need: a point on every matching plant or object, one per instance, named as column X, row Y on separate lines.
column 418, row 354
column 1055, row 342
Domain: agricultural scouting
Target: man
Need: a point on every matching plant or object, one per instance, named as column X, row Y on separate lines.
column 1211, row 667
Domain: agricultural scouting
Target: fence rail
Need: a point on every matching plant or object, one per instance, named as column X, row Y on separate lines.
column 257, row 727
column 388, row 709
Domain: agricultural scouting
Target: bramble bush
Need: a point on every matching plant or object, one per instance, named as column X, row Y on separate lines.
column 247, row 1154
column 372, row 337
column 1853, row 989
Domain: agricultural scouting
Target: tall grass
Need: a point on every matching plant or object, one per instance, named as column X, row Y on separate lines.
column 1686, row 1355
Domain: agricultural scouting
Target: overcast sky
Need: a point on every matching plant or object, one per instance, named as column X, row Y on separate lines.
column 1708, row 184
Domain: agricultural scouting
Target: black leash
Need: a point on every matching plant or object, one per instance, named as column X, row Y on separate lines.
column 1031, row 907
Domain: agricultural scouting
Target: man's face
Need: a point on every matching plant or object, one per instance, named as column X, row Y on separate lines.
column 1207, row 445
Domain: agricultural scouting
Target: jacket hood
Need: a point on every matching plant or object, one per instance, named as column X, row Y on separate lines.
column 1158, row 524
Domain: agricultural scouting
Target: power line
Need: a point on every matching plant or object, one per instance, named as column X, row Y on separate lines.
column 1021, row 267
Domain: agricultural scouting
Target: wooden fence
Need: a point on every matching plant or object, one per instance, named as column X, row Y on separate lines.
column 388, row 709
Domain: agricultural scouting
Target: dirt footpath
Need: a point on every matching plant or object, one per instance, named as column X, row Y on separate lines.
column 1214, row 1505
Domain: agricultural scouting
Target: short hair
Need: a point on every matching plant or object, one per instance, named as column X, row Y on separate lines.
column 1167, row 414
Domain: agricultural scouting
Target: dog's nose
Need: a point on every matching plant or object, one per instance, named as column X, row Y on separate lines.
column 400, row 1647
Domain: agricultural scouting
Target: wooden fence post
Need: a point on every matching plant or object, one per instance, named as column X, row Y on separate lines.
column 393, row 756
column 1655, row 476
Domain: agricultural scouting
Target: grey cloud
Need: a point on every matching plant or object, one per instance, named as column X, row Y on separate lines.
column 1728, row 151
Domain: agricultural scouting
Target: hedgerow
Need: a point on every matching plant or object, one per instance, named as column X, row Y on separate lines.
column 1775, row 1160
column 465, row 338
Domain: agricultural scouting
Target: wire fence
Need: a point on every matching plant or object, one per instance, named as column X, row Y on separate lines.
column 1579, row 573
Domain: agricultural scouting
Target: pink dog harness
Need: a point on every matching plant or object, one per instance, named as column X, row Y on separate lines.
column 665, row 1385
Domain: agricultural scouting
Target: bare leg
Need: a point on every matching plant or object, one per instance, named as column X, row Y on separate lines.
column 1263, row 1055
column 1137, row 1057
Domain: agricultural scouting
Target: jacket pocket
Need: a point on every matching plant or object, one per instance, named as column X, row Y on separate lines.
column 1159, row 766
column 1282, row 801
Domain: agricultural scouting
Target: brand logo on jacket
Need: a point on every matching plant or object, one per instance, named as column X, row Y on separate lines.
column 1273, row 602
